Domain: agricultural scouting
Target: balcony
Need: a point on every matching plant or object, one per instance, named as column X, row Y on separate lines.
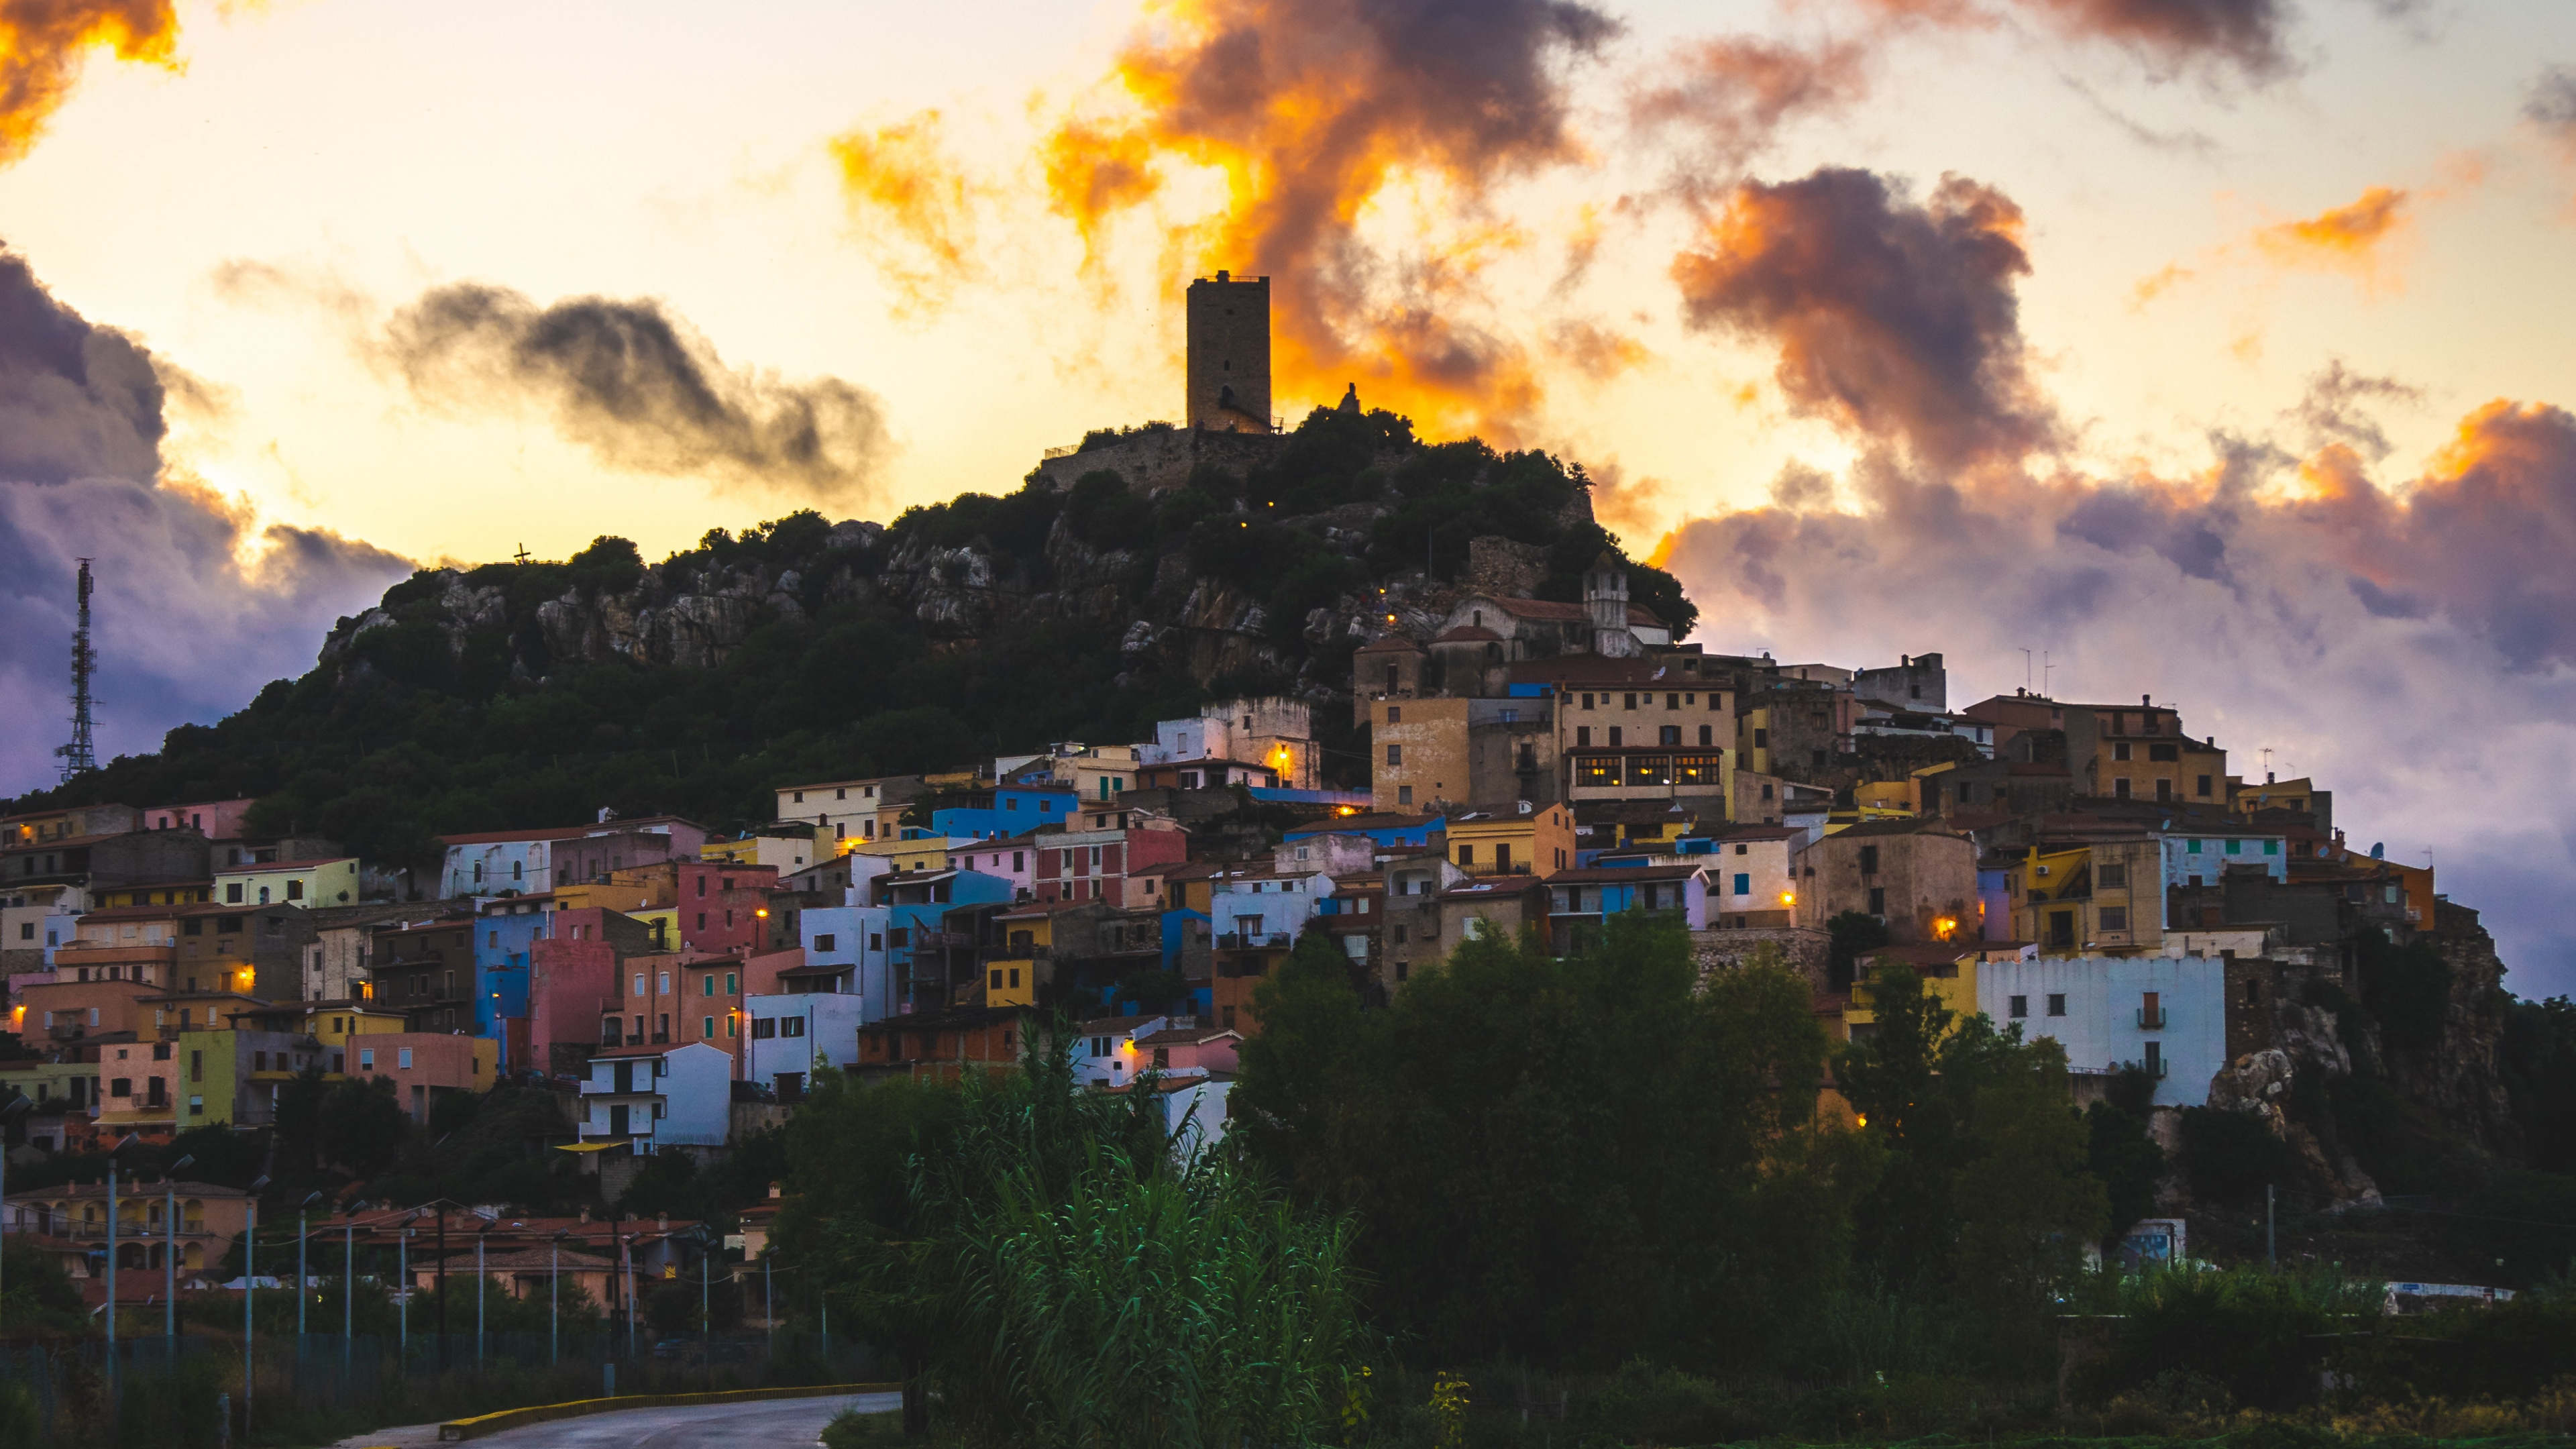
column 2151, row 1018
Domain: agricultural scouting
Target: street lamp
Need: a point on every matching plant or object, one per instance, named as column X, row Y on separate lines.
column 250, row 1249
column 554, row 1299
column 121, row 1145
column 170, row 1251
column 303, row 1282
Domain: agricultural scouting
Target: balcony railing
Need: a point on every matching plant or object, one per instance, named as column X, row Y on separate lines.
column 2151, row 1018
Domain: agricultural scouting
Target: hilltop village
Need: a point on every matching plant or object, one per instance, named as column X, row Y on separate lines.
column 2101, row 873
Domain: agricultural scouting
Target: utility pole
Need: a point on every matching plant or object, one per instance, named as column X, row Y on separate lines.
column 80, row 755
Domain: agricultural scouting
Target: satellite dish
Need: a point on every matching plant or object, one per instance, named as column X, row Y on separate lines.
column 2378, row 850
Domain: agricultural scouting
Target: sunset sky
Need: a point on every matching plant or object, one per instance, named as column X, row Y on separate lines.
column 2215, row 348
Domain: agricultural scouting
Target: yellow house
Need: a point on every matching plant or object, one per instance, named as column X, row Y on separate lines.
column 1949, row 976
column 662, row 921
column 789, row 851
column 2105, row 898
column 333, row 1025
column 1102, row 772
column 1884, row 799
column 609, row 895
column 310, row 883
column 153, row 895
column 930, row 852
column 1502, row 840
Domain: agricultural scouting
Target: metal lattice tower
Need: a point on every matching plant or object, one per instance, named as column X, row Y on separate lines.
column 78, row 755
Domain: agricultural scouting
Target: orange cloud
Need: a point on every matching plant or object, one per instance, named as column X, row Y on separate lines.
column 2343, row 237
column 1094, row 171
column 915, row 205
column 1309, row 112
column 41, row 47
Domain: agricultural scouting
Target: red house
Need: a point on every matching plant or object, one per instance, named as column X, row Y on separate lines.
column 1093, row 864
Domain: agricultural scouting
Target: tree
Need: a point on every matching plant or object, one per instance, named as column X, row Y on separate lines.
column 1572, row 1160
column 361, row 1125
column 299, row 1118
column 1850, row 936
column 1989, row 1193
column 2120, row 1152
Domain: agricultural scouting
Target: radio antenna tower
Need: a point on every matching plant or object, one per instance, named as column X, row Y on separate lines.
column 78, row 755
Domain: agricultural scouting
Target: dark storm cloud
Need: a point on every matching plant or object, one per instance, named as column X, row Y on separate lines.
column 186, row 630
column 641, row 390
column 1895, row 319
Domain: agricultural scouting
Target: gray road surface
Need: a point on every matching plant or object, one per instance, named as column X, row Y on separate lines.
column 763, row 1424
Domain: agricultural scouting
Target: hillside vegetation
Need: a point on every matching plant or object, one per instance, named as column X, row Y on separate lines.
column 525, row 694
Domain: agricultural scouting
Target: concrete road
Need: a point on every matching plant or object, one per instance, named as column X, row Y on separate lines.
column 762, row 1424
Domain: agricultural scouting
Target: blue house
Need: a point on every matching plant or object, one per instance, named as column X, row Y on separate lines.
column 1016, row 810
column 916, row 904
column 1386, row 830
column 502, row 934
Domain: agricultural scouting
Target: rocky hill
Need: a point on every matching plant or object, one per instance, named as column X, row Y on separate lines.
column 541, row 691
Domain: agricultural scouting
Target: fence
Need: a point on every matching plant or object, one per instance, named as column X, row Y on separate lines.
column 157, row 1394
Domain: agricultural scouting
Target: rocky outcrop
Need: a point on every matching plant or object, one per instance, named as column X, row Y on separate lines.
column 2460, row 1079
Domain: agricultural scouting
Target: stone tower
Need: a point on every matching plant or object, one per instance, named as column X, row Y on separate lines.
column 1229, row 364
column 1605, row 598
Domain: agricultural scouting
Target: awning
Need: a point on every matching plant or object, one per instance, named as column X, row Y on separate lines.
column 594, row 1146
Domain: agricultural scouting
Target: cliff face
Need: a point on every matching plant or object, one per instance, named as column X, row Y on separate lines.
column 2462, row 1079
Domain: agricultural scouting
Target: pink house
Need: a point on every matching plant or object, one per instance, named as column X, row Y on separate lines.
column 1188, row 1048
column 1014, row 860
column 568, row 978
column 217, row 819
column 422, row 1064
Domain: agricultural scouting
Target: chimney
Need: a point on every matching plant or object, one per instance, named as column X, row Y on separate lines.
column 2146, row 699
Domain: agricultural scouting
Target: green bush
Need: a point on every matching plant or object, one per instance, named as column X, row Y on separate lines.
column 2231, row 1155
column 2247, row 1331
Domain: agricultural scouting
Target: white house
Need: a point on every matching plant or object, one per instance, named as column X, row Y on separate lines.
column 2198, row 860
column 847, row 953
column 659, row 1096
column 795, row 1038
column 1194, row 1108
column 1266, row 907
column 2167, row 1014
column 1749, row 873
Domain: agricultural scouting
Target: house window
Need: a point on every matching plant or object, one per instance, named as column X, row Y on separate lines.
column 2120, row 751
column 402, row 1058
column 1869, row 860
column 1878, row 900
column 2120, row 788
column 2115, row 918
column 2019, row 1007
column 1743, row 883
column 1466, row 855
column 2057, row 1003
column 1394, row 715
column 366, row 1059
column 1582, row 737
column 1395, row 754
column 2201, row 787
column 823, row 943
column 1614, row 737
